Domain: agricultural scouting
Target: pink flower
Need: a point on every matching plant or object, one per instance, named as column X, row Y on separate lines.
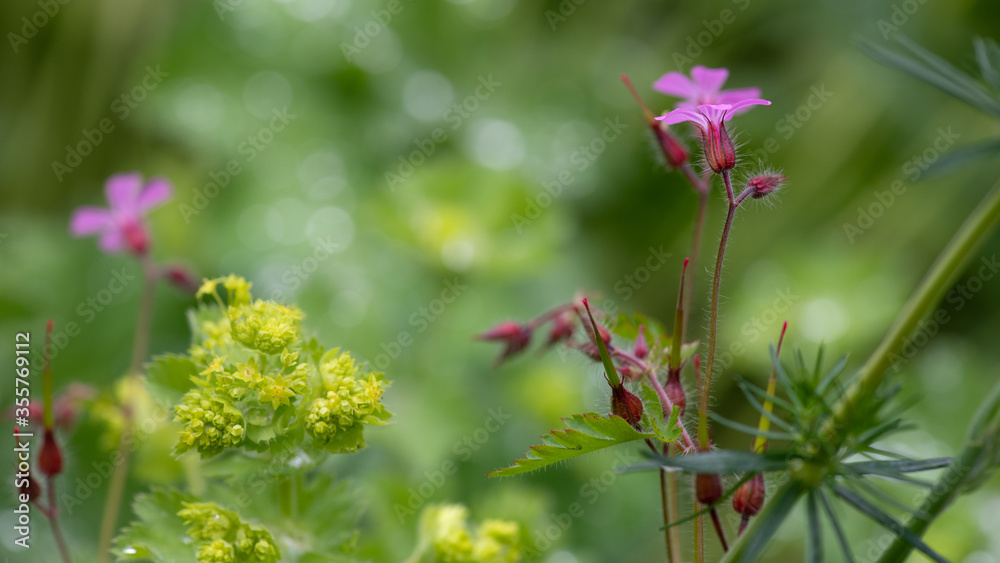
column 705, row 88
column 710, row 119
column 121, row 226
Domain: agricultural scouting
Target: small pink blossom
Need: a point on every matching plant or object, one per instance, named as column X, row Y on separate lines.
column 121, row 226
column 703, row 88
column 710, row 119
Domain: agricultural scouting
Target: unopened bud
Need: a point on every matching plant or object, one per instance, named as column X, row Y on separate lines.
column 765, row 184
column 673, row 150
column 749, row 497
column 675, row 391
column 626, row 405
column 50, row 458
column 708, row 488
column 515, row 337
column 562, row 329
column 641, row 349
column 181, row 278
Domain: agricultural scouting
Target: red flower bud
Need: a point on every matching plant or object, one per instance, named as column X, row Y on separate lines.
column 181, row 278
column 765, row 184
column 136, row 238
column 50, row 458
column 675, row 391
column 708, row 488
column 673, row 150
column 749, row 498
column 562, row 329
column 640, row 348
column 29, row 486
column 626, row 405
column 515, row 337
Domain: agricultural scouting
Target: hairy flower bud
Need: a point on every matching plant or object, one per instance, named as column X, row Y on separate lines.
column 675, row 391
column 562, row 329
column 640, row 348
column 673, row 150
column 719, row 150
column 749, row 497
column 708, row 488
column 50, row 460
column 765, row 184
column 626, row 405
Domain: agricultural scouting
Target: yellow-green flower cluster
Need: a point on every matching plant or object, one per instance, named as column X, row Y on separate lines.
column 210, row 423
column 223, row 538
column 265, row 325
column 350, row 400
column 445, row 537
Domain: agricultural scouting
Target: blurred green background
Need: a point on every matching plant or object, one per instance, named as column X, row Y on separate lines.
column 536, row 81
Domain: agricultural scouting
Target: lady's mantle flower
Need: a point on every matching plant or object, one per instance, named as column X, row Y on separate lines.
column 121, row 226
column 210, row 424
column 224, row 538
column 704, row 87
column 336, row 420
column 710, row 119
column 445, row 537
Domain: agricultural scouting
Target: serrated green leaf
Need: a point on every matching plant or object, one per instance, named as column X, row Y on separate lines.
column 158, row 534
column 666, row 431
column 585, row 433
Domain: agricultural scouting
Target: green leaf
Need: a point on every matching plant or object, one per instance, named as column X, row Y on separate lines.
column 751, row 430
column 887, row 522
column 751, row 544
column 168, row 377
column 963, row 155
column 668, row 431
column 721, row 461
column 988, row 57
column 814, row 545
column 609, row 366
column 893, row 467
column 838, row 530
column 158, row 534
column 584, row 433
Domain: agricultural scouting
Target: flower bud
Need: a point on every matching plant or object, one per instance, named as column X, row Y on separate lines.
column 675, row 391
column 136, row 238
column 708, row 488
column 673, row 150
column 50, row 458
column 749, row 498
column 28, row 486
column 719, row 150
column 626, row 405
column 515, row 337
column 562, row 329
column 181, row 278
column 765, row 184
column 640, row 348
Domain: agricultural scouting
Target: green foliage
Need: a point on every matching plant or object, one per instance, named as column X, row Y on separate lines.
column 158, row 534
column 586, row 433
column 445, row 537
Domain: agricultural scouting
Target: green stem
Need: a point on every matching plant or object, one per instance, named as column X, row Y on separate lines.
column 53, row 515
column 140, row 348
column 751, row 543
column 937, row 281
column 665, row 507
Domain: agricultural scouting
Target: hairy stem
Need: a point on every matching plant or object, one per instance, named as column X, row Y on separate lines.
column 140, row 348
column 665, row 500
column 699, row 534
column 674, row 513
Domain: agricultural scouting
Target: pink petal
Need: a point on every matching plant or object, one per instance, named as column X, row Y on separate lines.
column 157, row 192
column 676, row 84
column 739, row 106
column 122, row 191
column 736, row 95
column 89, row 220
column 709, row 80
column 112, row 241
column 685, row 114
column 716, row 113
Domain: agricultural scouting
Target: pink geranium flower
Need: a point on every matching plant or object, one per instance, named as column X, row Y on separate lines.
column 710, row 119
column 120, row 226
column 703, row 88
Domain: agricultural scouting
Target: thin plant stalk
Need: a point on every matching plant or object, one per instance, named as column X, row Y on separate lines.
column 53, row 515
column 140, row 348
